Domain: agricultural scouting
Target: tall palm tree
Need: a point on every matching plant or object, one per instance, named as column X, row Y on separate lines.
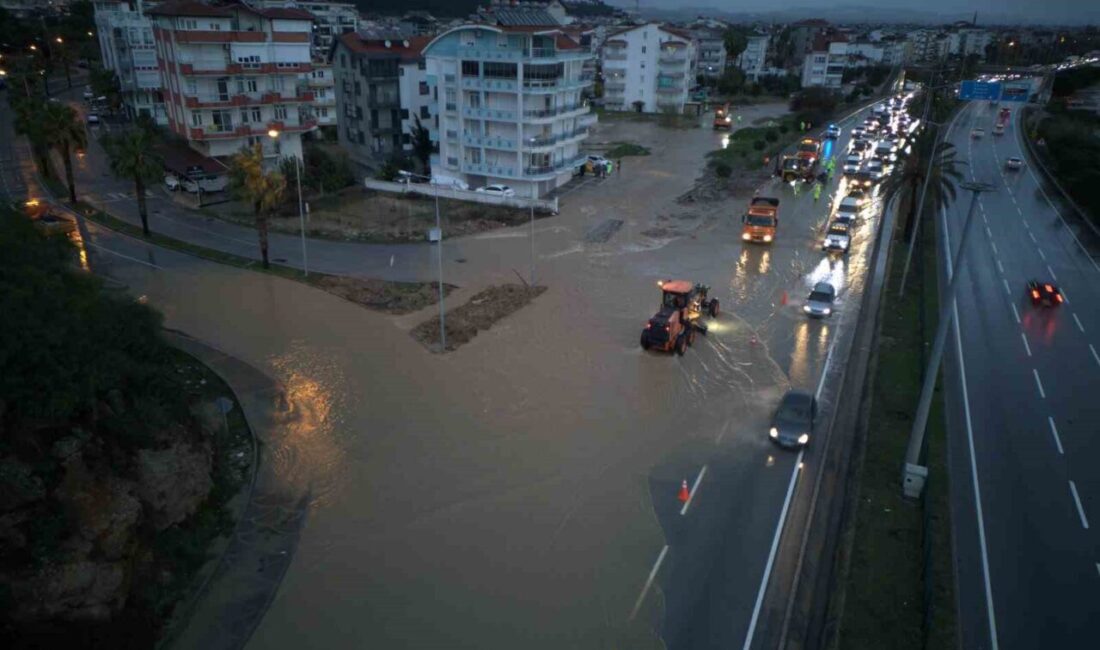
column 263, row 190
column 66, row 133
column 28, row 122
column 132, row 157
column 942, row 175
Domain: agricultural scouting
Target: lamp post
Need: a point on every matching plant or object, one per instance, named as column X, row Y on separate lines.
column 274, row 135
column 438, row 255
column 913, row 474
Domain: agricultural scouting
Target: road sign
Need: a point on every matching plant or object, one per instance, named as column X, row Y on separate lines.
column 979, row 90
column 1016, row 91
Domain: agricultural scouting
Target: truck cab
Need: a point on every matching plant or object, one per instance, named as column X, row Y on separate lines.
column 759, row 223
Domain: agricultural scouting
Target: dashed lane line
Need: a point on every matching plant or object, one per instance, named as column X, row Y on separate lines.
column 994, row 245
column 1000, row 267
column 649, row 582
column 1042, row 254
column 1039, row 383
column 1053, row 276
column 694, row 487
column 1054, row 432
column 1007, row 290
column 1032, row 235
column 1080, row 509
column 1078, row 321
column 1026, row 346
column 1094, row 355
column 1015, row 312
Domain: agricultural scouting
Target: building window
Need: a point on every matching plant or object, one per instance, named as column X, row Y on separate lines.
column 404, row 113
column 280, row 111
column 424, row 88
column 223, row 120
column 424, row 114
column 498, row 70
column 421, row 65
column 470, row 69
column 249, row 62
column 215, row 27
column 196, row 118
column 358, row 89
column 343, row 61
column 643, row 49
column 188, row 24
column 322, row 111
column 247, row 85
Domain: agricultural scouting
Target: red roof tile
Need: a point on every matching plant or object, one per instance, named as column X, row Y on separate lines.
column 411, row 52
column 198, row 8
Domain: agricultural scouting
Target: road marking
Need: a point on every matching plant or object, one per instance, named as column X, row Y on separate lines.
column 1078, row 321
column 1098, row 568
column 1000, row 267
column 1007, row 290
column 1030, row 234
column 1052, row 275
column 1054, row 430
column 988, row 232
column 649, row 582
column 725, row 430
column 1041, row 254
column 1064, row 296
column 986, row 221
column 1026, row 346
column 1026, row 224
column 825, row 368
column 1039, row 383
column 1094, row 355
column 1080, row 510
column 694, row 487
column 1015, row 312
column 994, row 245
column 771, row 554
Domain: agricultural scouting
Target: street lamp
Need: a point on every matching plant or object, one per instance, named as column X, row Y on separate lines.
column 274, row 135
column 438, row 254
column 913, row 473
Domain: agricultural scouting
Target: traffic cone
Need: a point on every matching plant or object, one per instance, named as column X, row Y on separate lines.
column 783, row 300
column 684, row 494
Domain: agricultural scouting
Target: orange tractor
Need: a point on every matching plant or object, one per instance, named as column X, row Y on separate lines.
column 673, row 327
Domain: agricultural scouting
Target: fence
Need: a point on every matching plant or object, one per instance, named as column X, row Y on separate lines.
column 426, row 189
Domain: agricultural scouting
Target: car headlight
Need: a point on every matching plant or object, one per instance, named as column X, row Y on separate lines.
column 827, row 311
column 807, row 309
column 774, row 433
column 803, row 439
column 746, row 236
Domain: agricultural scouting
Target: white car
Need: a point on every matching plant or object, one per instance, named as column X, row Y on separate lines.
column 858, row 132
column 1014, row 164
column 977, row 133
column 498, row 190
column 852, row 163
column 171, row 182
column 820, row 301
column 998, row 129
column 837, row 238
column 832, row 132
column 597, row 160
column 92, row 119
column 876, row 170
column 848, row 209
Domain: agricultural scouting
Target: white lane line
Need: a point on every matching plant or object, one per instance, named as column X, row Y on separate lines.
column 994, row 247
column 825, row 368
column 1026, row 346
column 1064, row 296
column 1080, row 510
column 1078, row 321
column 1052, row 275
column 649, row 582
column 1000, row 267
column 1098, row 568
column 1054, row 430
column 1032, row 235
column 986, row 221
column 988, row 232
column 694, row 487
column 1094, row 355
column 771, row 554
column 1015, row 312
column 1026, row 224
column 1041, row 254
column 1039, row 383
column 970, row 444
column 725, row 429
column 1007, row 290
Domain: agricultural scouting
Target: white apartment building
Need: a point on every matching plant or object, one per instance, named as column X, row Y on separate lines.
column 647, row 69
column 415, row 91
column 928, row 45
column 510, row 106
column 126, row 48
column 825, row 63
column 710, row 52
column 966, row 41
column 230, row 74
column 753, row 61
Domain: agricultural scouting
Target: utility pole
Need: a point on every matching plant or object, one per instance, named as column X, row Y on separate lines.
column 914, row 474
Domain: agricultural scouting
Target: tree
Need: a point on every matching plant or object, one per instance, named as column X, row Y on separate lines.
column 28, row 122
column 263, row 190
column 942, row 176
column 423, row 147
column 66, row 133
column 132, row 157
column 731, row 82
column 735, row 41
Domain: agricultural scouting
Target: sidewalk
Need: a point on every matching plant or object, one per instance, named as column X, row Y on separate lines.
column 235, row 597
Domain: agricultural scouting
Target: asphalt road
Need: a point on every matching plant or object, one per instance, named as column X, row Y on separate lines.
column 521, row 491
column 1022, row 385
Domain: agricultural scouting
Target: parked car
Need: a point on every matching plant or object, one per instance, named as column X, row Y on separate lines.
column 497, row 190
column 171, row 182
column 597, row 160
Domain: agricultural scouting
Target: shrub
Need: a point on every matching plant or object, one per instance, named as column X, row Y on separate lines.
column 771, row 136
column 722, row 170
column 759, row 145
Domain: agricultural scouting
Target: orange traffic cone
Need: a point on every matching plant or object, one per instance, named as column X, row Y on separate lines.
column 684, row 494
column 783, row 300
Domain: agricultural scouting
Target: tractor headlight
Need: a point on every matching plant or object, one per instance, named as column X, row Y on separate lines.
column 774, row 433
column 746, row 236
column 767, row 238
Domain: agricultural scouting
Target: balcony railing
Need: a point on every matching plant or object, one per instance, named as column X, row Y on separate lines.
column 552, row 168
column 490, row 54
column 547, row 141
column 671, row 59
column 489, row 113
column 670, row 90
column 482, row 83
column 487, row 169
column 614, row 55
column 557, row 110
column 492, row 142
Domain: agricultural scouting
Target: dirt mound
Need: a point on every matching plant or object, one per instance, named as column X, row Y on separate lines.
column 383, row 295
column 484, row 309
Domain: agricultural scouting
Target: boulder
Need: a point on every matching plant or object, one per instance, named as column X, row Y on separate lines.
column 172, row 482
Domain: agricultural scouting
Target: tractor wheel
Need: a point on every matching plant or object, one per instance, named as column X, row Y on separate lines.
column 714, row 308
column 681, row 344
column 645, row 341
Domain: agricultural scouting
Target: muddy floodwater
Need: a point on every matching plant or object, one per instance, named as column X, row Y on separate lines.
column 515, row 493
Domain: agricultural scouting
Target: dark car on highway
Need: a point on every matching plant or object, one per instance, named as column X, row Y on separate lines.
column 793, row 423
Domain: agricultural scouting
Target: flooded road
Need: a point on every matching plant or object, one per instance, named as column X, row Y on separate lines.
column 517, row 492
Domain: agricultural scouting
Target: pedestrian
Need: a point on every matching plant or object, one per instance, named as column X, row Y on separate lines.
column 801, row 126
column 619, row 166
column 797, row 185
column 609, row 168
column 830, row 175
column 588, row 167
column 817, row 191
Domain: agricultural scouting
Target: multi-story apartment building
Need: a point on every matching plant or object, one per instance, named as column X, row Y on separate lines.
column 825, row 64
column 510, row 105
column 230, row 75
column 710, row 53
column 803, row 34
column 928, row 45
column 126, row 48
column 381, row 90
column 647, row 69
column 968, row 41
column 753, row 60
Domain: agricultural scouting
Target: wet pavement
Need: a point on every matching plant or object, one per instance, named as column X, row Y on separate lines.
column 517, row 492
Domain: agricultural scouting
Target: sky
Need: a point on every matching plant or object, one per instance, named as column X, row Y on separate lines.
column 1075, row 12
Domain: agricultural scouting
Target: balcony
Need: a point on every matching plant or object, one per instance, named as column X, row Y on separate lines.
column 503, row 171
column 557, row 111
column 490, row 54
column 553, row 169
column 242, row 68
column 614, row 55
column 671, row 58
column 552, row 140
column 216, row 132
column 614, row 84
column 670, row 90
column 489, row 113
column 488, row 141
column 290, row 37
column 482, row 83
column 200, row 36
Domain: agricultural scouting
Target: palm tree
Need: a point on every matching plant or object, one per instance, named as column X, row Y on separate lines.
column 264, row 190
column 942, row 175
column 66, row 133
column 132, row 157
column 423, row 147
column 28, row 122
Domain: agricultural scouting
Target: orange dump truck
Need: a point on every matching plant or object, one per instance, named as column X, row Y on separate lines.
column 723, row 117
column 761, row 220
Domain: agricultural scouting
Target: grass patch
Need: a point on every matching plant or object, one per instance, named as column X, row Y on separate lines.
column 889, row 589
column 623, row 149
column 380, row 295
column 480, row 313
column 747, row 147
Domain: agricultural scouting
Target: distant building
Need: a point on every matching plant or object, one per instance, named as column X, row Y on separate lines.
column 647, row 68
column 127, row 48
column 969, row 41
column 230, row 75
column 753, row 61
column 928, row 45
column 824, row 65
column 511, row 106
column 710, row 53
column 803, row 34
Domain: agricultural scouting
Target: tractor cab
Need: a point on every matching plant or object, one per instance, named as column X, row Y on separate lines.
column 673, row 327
column 675, row 294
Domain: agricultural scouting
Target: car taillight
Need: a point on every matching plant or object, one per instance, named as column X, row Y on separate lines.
column 1049, row 289
column 1058, row 297
column 666, row 328
column 1035, row 294
column 648, row 325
